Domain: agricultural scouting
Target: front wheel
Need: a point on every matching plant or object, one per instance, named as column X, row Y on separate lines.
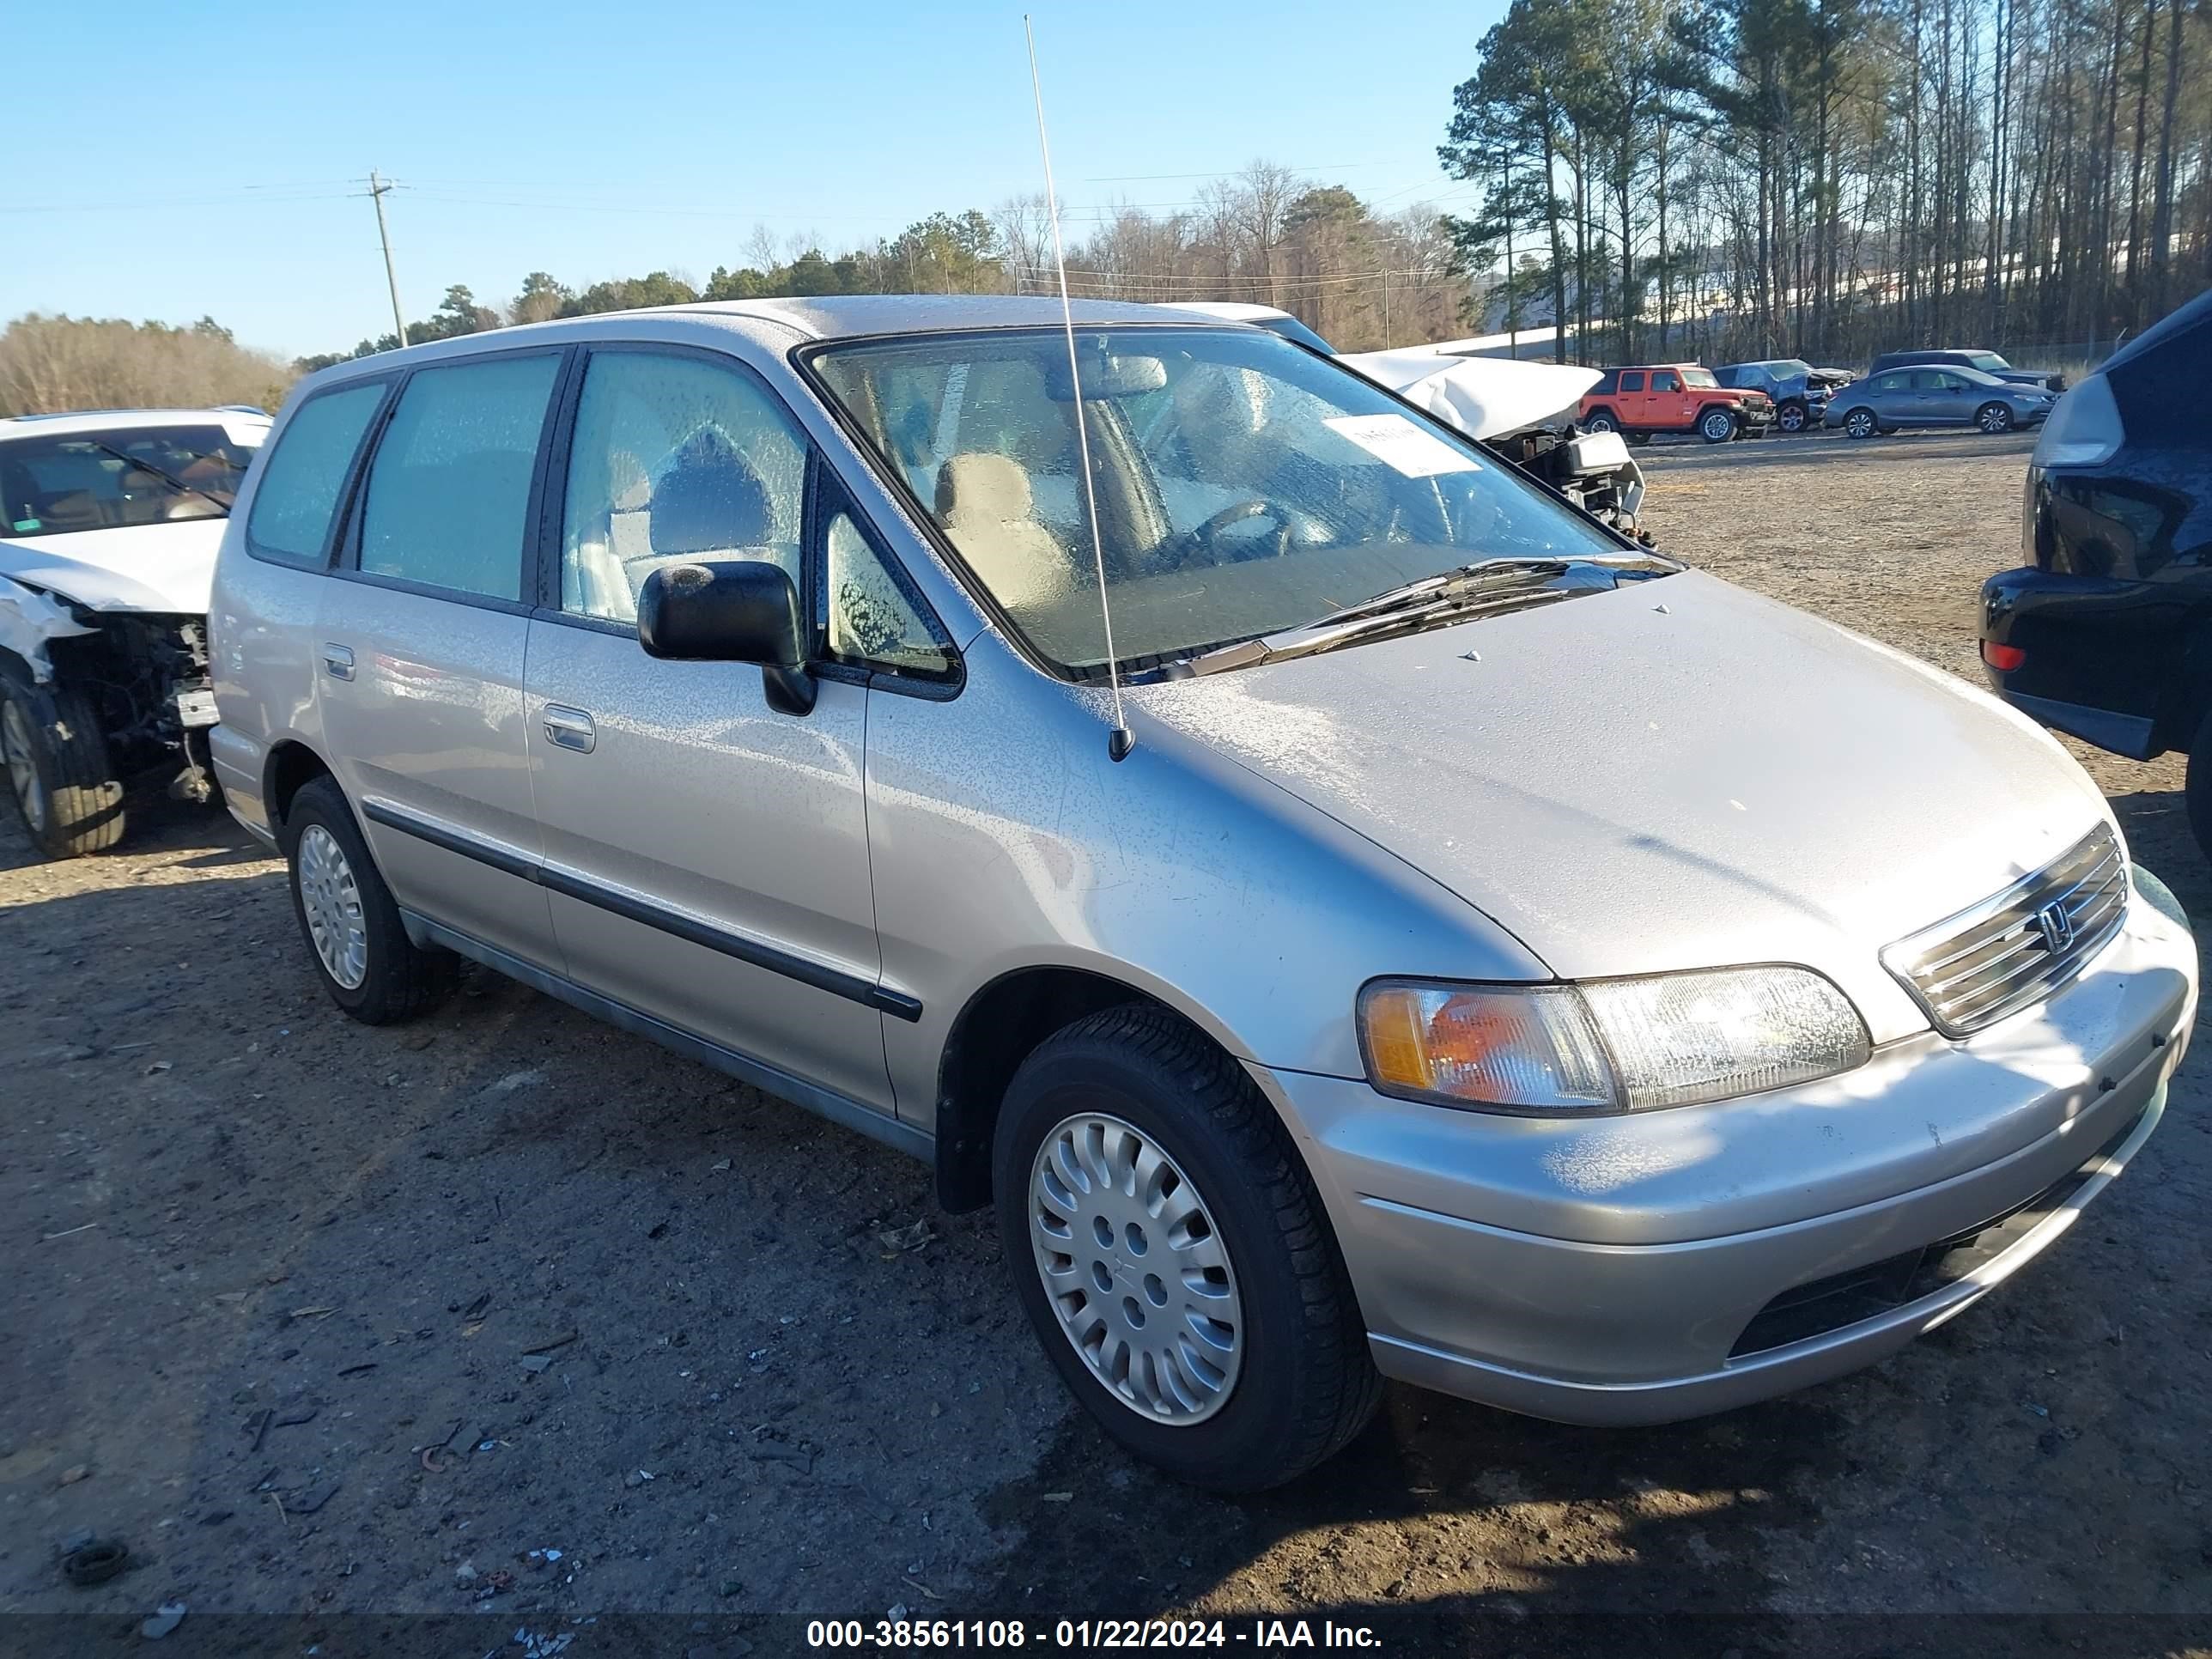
column 1790, row 417
column 1170, row 1248
column 1716, row 426
column 65, row 783
column 349, row 918
column 1859, row 424
column 1993, row 418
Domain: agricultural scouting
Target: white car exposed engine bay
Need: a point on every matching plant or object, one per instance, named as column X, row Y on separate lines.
column 109, row 525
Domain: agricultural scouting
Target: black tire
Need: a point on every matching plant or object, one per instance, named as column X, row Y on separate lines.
column 64, row 784
column 1993, row 418
column 1861, row 423
column 1306, row 1385
column 1601, row 420
column 2197, row 788
column 1717, row 426
column 1792, row 416
column 399, row 980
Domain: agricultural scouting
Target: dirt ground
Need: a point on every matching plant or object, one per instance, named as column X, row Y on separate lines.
column 327, row 1322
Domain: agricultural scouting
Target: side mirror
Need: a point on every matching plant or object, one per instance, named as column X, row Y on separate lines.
column 729, row 611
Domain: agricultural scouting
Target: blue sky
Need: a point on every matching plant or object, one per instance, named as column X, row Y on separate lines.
column 205, row 167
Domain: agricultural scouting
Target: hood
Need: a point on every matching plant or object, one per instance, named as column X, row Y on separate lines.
column 161, row 569
column 1483, row 397
column 1832, row 377
column 1674, row 774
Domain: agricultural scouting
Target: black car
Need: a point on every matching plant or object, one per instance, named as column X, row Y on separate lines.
column 2107, row 633
column 1975, row 358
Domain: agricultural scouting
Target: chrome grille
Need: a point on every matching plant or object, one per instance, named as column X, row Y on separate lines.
column 2016, row 947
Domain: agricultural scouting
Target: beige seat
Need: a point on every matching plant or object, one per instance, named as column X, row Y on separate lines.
column 983, row 502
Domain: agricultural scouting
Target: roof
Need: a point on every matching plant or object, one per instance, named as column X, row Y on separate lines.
column 1242, row 311
column 830, row 317
column 125, row 420
column 773, row 324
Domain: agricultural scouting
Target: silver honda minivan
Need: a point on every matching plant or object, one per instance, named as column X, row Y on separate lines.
column 1435, row 938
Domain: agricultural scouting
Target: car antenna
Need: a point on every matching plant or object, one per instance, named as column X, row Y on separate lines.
column 1121, row 740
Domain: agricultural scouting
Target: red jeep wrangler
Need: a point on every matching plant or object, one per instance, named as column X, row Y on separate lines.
column 1672, row 398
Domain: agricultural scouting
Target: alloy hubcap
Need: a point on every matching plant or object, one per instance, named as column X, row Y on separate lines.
column 331, row 901
column 1134, row 1270
column 1862, row 425
column 22, row 766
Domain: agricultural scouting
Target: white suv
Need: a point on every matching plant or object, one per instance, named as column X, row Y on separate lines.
column 109, row 524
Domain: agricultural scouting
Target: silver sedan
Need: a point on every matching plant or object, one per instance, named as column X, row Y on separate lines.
column 1936, row 396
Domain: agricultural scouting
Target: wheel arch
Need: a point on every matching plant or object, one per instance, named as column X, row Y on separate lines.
column 997, row 1028
column 290, row 766
column 2188, row 697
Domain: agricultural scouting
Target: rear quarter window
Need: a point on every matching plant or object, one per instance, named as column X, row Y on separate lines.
column 306, row 473
column 449, row 488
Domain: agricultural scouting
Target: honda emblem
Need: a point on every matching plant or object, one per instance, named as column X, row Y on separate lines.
column 2056, row 927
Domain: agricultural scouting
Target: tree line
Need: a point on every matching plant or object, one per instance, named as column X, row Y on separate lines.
column 1717, row 179
column 1362, row 279
column 1826, row 178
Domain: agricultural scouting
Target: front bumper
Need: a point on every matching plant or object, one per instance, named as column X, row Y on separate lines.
column 1641, row 1268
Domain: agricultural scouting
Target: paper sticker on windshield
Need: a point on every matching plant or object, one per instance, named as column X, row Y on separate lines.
column 1398, row 444
column 27, row 526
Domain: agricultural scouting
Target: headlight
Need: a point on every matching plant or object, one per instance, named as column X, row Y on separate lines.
column 1621, row 1045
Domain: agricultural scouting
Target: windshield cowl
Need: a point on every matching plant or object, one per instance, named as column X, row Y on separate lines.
column 1487, row 588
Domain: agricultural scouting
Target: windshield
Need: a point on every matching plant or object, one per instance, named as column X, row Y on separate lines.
column 52, row 485
column 1242, row 485
column 1699, row 377
column 1988, row 362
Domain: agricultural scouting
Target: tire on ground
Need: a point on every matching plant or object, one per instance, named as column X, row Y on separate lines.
column 2197, row 789
column 1716, row 426
column 402, row 978
column 1306, row 1385
column 60, row 774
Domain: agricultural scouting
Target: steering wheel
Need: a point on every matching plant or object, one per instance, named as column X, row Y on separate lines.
column 1204, row 538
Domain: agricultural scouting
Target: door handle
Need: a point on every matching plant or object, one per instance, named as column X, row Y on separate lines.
column 569, row 728
column 338, row 662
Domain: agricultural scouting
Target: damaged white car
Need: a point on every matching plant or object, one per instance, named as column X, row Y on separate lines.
column 109, row 524
column 1522, row 412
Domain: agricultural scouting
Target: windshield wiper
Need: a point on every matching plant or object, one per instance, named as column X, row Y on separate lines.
column 144, row 465
column 1504, row 583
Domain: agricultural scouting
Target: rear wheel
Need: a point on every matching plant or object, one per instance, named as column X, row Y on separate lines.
column 1993, row 418
column 1716, row 426
column 1170, row 1249
column 1601, row 420
column 1860, row 423
column 349, row 918
column 64, row 784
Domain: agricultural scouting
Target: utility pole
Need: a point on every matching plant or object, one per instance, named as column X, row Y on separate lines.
column 376, row 188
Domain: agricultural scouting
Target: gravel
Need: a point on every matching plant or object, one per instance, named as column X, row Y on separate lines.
column 220, row 1199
